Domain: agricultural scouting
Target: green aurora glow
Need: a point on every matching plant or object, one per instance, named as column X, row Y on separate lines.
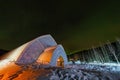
column 75, row 24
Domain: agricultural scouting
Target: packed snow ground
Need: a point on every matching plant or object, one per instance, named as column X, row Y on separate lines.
column 98, row 66
column 77, row 71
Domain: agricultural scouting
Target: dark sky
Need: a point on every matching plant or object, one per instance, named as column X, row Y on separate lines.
column 76, row 24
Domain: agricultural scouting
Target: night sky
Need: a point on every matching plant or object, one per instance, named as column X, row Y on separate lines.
column 76, row 24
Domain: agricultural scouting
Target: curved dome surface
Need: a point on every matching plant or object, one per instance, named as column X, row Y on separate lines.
column 58, row 52
column 51, row 56
column 35, row 48
column 43, row 49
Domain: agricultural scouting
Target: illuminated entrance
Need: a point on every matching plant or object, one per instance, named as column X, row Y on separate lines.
column 60, row 62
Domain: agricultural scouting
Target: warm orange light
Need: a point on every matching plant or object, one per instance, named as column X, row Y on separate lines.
column 8, row 70
column 13, row 55
column 60, row 62
column 45, row 57
column 58, row 59
column 4, row 63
